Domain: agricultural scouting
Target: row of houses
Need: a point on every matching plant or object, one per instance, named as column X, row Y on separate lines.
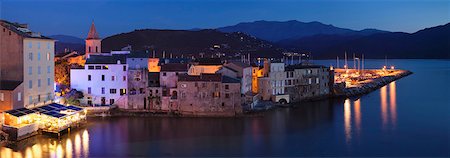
column 138, row 81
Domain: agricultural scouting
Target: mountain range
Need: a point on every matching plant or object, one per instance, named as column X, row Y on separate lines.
column 270, row 38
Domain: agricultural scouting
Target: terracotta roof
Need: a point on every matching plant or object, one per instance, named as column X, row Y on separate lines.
column 9, row 85
column 93, row 34
column 178, row 67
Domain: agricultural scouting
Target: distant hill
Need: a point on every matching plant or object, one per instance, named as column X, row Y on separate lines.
column 68, row 42
column 189, row 42
column 431, row 42
column 275, row 31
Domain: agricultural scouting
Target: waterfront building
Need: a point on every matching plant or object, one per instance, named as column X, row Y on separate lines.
column 168, row 83
column 27, row 58
column 244, row 73
column 209, row 94
column 272, row 85
column 308, row 82
column 103, row 80
column 138, row 63
column 205, row 65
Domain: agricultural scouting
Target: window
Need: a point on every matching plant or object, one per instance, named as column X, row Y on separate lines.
column 141, row 91
column 39, row 70
column 105, row 67
column 30, row 99
column 89, row 49
column 309, row 80
column 124, row 68
column 227, row 86
column 317, row 80
column 223, row 104
column 89, row 77
column 39, row 98
column 30, row 70
column 123, row 91
column 30, row 56
column 103, row 77
column 30, row 45
column 216, row 94
column 48, row 81
column 112, row 78
column 227, row 95
column 203, row 85
column 89, row 90
column 48, row 45
column 39, row 45
column 48, row 56
column 96, row 49
column 124, row 78
column 39, row 56
column 111, row 101
column 103, row 90
column 98, row 67
column 19, row 96
column 39, row 82
column 30, row 84
column 112, row 91
column 90, row 67
column 2, row 97
column 216, row 85
column 164, row 74
column 48, row 69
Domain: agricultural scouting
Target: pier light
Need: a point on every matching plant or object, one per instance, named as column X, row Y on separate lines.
column 384, row 68
column 392, row 67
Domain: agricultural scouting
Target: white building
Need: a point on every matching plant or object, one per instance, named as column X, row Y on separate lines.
column 103, row 80
column 272, row 85
column 244, row 73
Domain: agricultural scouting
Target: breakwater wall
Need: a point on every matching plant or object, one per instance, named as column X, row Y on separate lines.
column 341, row 91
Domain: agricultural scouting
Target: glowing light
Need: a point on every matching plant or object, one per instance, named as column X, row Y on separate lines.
column 393, row 103
column 77, row 145
column 85, row 138
column 384, row 112
column 347, row 120
column 69, row 148
column 392, row 67
column 357, row 108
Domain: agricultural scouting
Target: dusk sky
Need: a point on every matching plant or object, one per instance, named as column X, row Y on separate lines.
column 73, row 17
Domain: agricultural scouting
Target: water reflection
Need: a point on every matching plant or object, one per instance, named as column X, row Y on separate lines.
column 45, row 146
column 347, row 120
column 393, row 103
column 389, row 110
column 357, row 109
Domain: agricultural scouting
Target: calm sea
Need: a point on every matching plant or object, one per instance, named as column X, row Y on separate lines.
column 408, row 117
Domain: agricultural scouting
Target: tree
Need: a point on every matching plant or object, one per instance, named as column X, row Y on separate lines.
column 73, row 97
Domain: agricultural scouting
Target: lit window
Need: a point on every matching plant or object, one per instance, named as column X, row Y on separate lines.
column 48, row 56
column 2, row 97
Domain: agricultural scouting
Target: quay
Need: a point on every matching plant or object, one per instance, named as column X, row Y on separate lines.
column 351, row 82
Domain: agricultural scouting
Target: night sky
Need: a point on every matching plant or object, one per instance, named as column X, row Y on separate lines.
column 73, row 17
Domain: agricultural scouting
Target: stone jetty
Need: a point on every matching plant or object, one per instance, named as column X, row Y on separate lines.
column 340, row 90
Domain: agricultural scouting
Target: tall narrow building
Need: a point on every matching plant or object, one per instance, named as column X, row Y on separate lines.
column 26, row 67
column 93, row 42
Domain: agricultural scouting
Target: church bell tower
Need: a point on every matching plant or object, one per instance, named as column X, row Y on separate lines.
column 93, row 42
